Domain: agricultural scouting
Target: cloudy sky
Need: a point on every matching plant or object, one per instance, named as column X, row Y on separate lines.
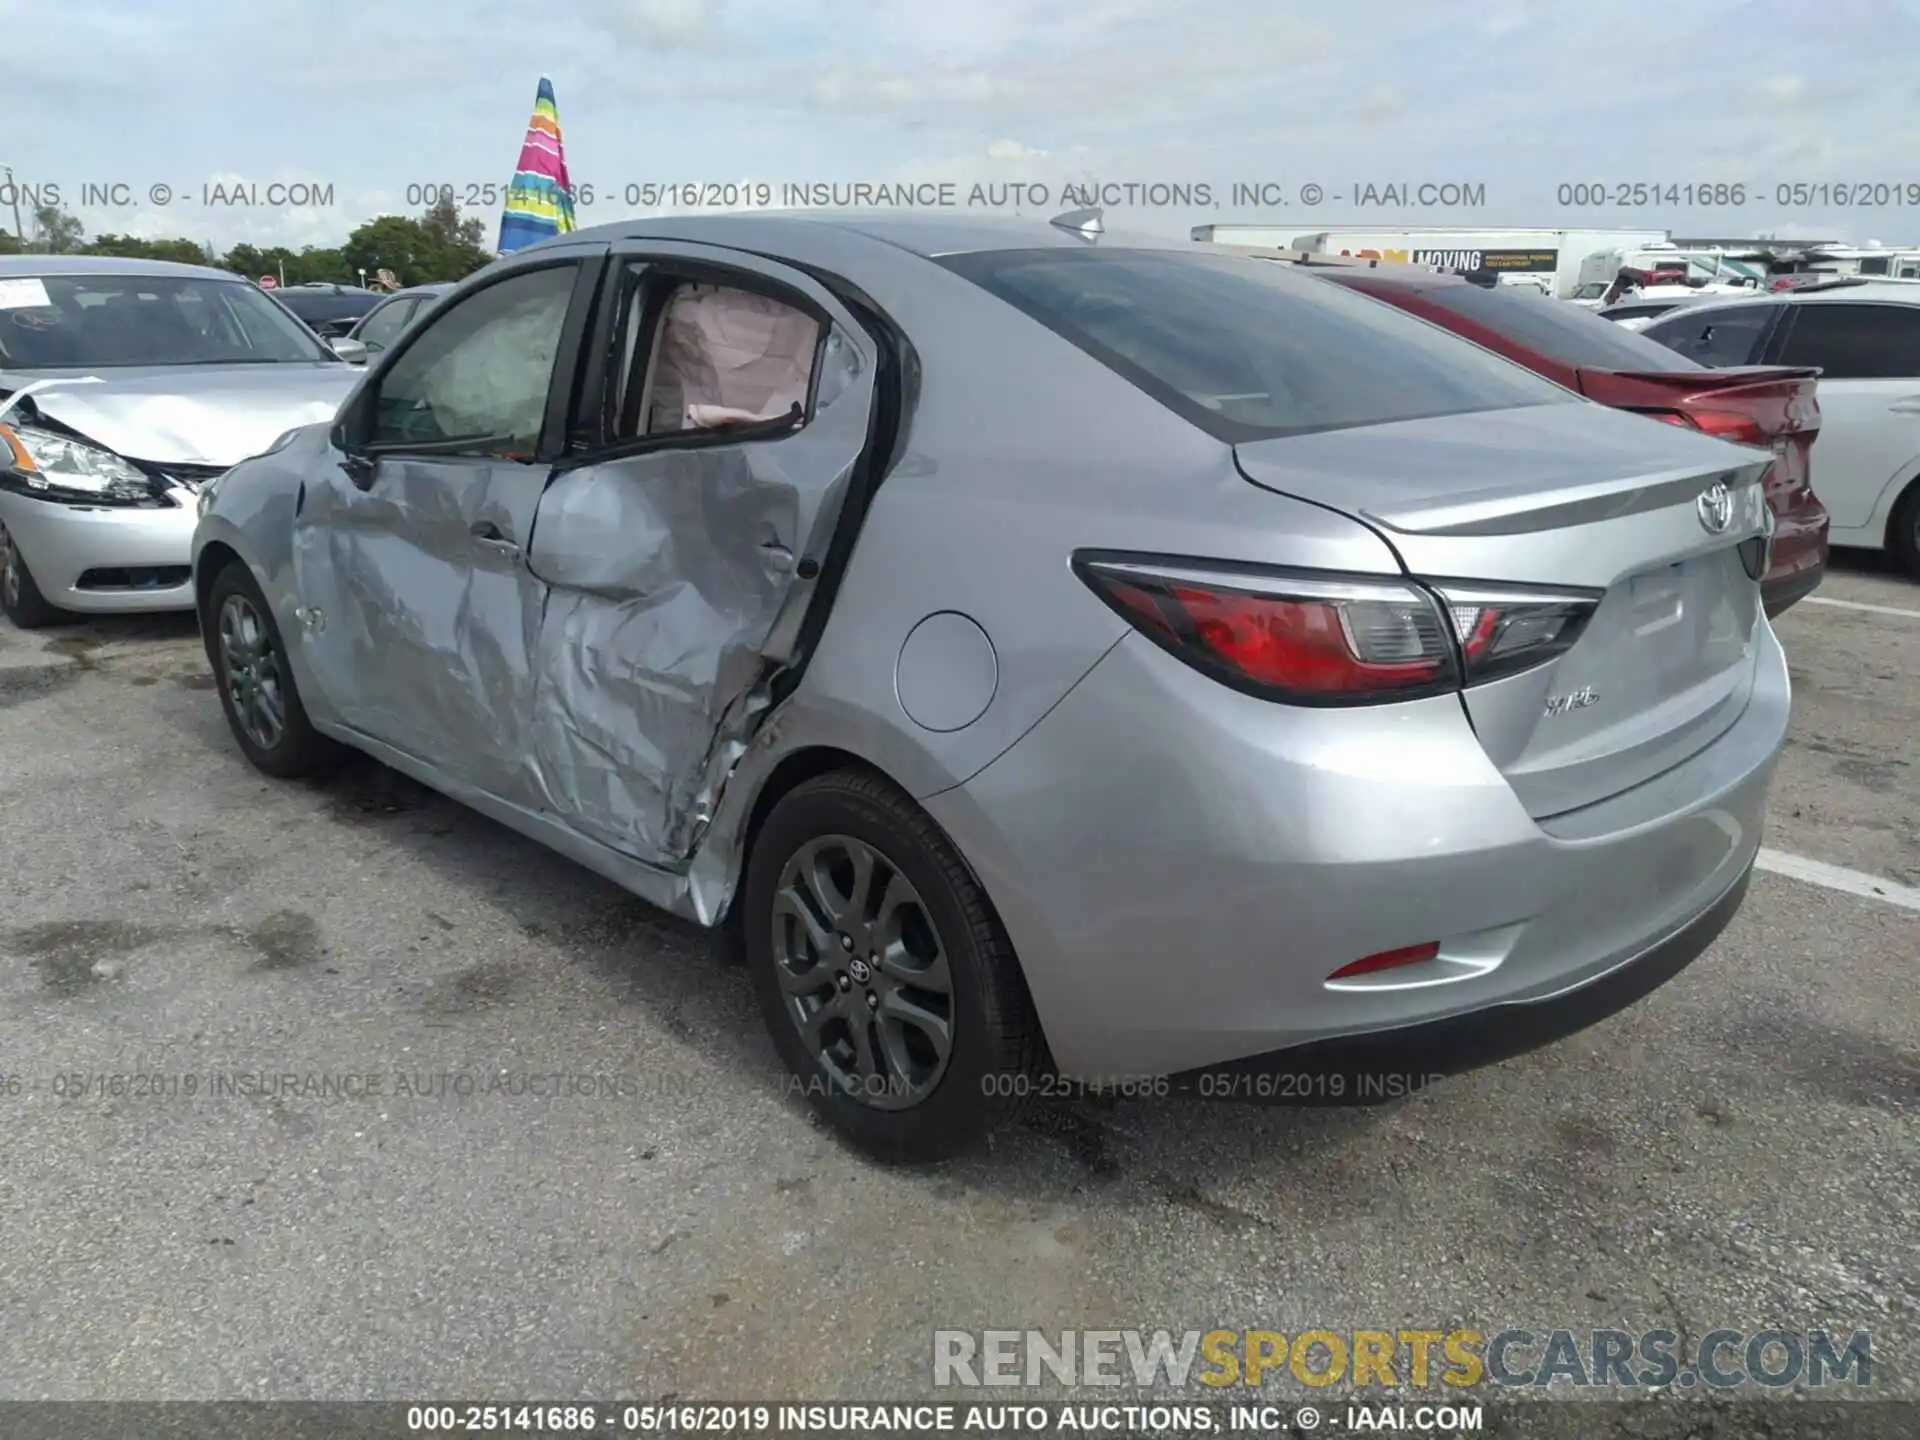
column 377, row 101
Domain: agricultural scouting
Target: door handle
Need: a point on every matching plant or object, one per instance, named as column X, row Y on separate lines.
column 1909, row 406
column 360, row 470
column 485, row 532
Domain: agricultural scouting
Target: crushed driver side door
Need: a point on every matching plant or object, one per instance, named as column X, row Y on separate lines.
column 682, row 552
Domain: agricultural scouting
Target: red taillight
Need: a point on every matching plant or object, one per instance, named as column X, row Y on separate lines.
column 1388, row 960
column 1731, row 425
column 1762, row 418
column 1318, row 639
column 1312, row 639
column 1309, row 646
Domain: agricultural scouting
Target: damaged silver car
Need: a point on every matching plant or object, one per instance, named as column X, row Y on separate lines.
column 124, row 386
column 1058, row 655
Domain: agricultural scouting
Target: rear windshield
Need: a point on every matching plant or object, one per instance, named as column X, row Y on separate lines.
column 1556, row 329
column 1246, row 349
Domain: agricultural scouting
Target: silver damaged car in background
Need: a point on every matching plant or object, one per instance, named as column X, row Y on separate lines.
column 1054, row 653
column 125, row 386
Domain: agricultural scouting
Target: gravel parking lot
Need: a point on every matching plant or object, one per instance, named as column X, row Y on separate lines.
column 1740, row 1149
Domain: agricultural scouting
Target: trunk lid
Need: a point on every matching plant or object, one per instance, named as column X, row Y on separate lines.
column 1566, row 496
column 1779, row 405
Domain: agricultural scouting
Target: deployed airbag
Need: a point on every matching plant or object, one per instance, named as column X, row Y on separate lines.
column 729, row 355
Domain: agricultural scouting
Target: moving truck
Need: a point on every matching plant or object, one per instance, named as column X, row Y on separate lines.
column 1549, row 259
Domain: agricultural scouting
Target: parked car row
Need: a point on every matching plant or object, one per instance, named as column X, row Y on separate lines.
column 129, row 385
column 1863, row 337
column 1769, row 407
column 1053, row 652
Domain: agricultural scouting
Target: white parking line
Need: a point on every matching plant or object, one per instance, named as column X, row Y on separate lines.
column 1856, row 605
column 1837, row 877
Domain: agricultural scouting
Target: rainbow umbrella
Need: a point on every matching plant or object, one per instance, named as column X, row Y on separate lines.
column 540, row 200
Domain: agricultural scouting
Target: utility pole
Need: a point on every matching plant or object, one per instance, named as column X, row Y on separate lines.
column 13, row 190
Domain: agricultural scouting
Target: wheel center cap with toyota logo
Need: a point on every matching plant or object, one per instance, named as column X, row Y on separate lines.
column 1715, row 508
column 858, row 969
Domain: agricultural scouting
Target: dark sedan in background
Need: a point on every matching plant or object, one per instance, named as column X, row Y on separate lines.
column 330, row 311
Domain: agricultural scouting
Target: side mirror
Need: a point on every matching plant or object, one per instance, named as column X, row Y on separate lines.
column 354, row 352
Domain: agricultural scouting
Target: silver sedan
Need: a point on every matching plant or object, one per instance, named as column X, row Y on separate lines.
column 124, row 386
column 1058, row 655
column 376, row 330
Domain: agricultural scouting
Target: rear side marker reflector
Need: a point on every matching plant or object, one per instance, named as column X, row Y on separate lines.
column 1389, row 960
column 1324, row 639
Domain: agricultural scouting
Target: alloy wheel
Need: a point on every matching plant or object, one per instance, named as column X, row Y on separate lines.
column 863, row 971
column 250, row 667
column 9, row 570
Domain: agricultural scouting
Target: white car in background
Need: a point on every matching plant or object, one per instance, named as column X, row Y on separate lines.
column 1640, row 309
column 1865, row 337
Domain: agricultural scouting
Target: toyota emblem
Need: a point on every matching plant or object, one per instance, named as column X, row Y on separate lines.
column 1715, row 507
column 859, row 970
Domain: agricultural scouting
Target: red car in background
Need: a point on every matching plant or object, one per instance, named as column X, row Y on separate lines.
column 1773, row 407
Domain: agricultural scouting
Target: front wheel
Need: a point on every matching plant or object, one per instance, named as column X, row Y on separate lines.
column 26, row 607
column 891, row 989
column 256, row 681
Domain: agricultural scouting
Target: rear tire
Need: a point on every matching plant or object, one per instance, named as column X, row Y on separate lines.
column 1903, row 531
column 256, row 681
column 20, row 596
column 866, row 936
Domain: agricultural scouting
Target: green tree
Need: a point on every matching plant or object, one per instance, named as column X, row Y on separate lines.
column 327, row 264
column 10, row 244
column 132, row 247
column 443, row 219
column 439, row 245
column 299, row 266
column 55, row 232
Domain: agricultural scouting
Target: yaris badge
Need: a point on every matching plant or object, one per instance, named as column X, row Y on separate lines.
column 1573, row 700
column 1715, row 508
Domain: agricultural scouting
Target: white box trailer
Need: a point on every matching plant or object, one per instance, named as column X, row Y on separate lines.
column 1552, row 260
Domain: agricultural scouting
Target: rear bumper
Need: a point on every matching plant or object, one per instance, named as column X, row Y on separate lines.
column 62, row 543
column 1182, row 868
column 1359, row 1070
column 1800, row 540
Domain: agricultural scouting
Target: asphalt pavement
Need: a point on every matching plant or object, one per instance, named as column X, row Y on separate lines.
column 1739, row 1149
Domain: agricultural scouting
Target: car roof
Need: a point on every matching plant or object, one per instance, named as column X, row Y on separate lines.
column 929, row 234
column 1898, row 292
column 326, row 297
column 1674, row 302
column 413, row 292
column 1826, row 292
column 81, row 265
